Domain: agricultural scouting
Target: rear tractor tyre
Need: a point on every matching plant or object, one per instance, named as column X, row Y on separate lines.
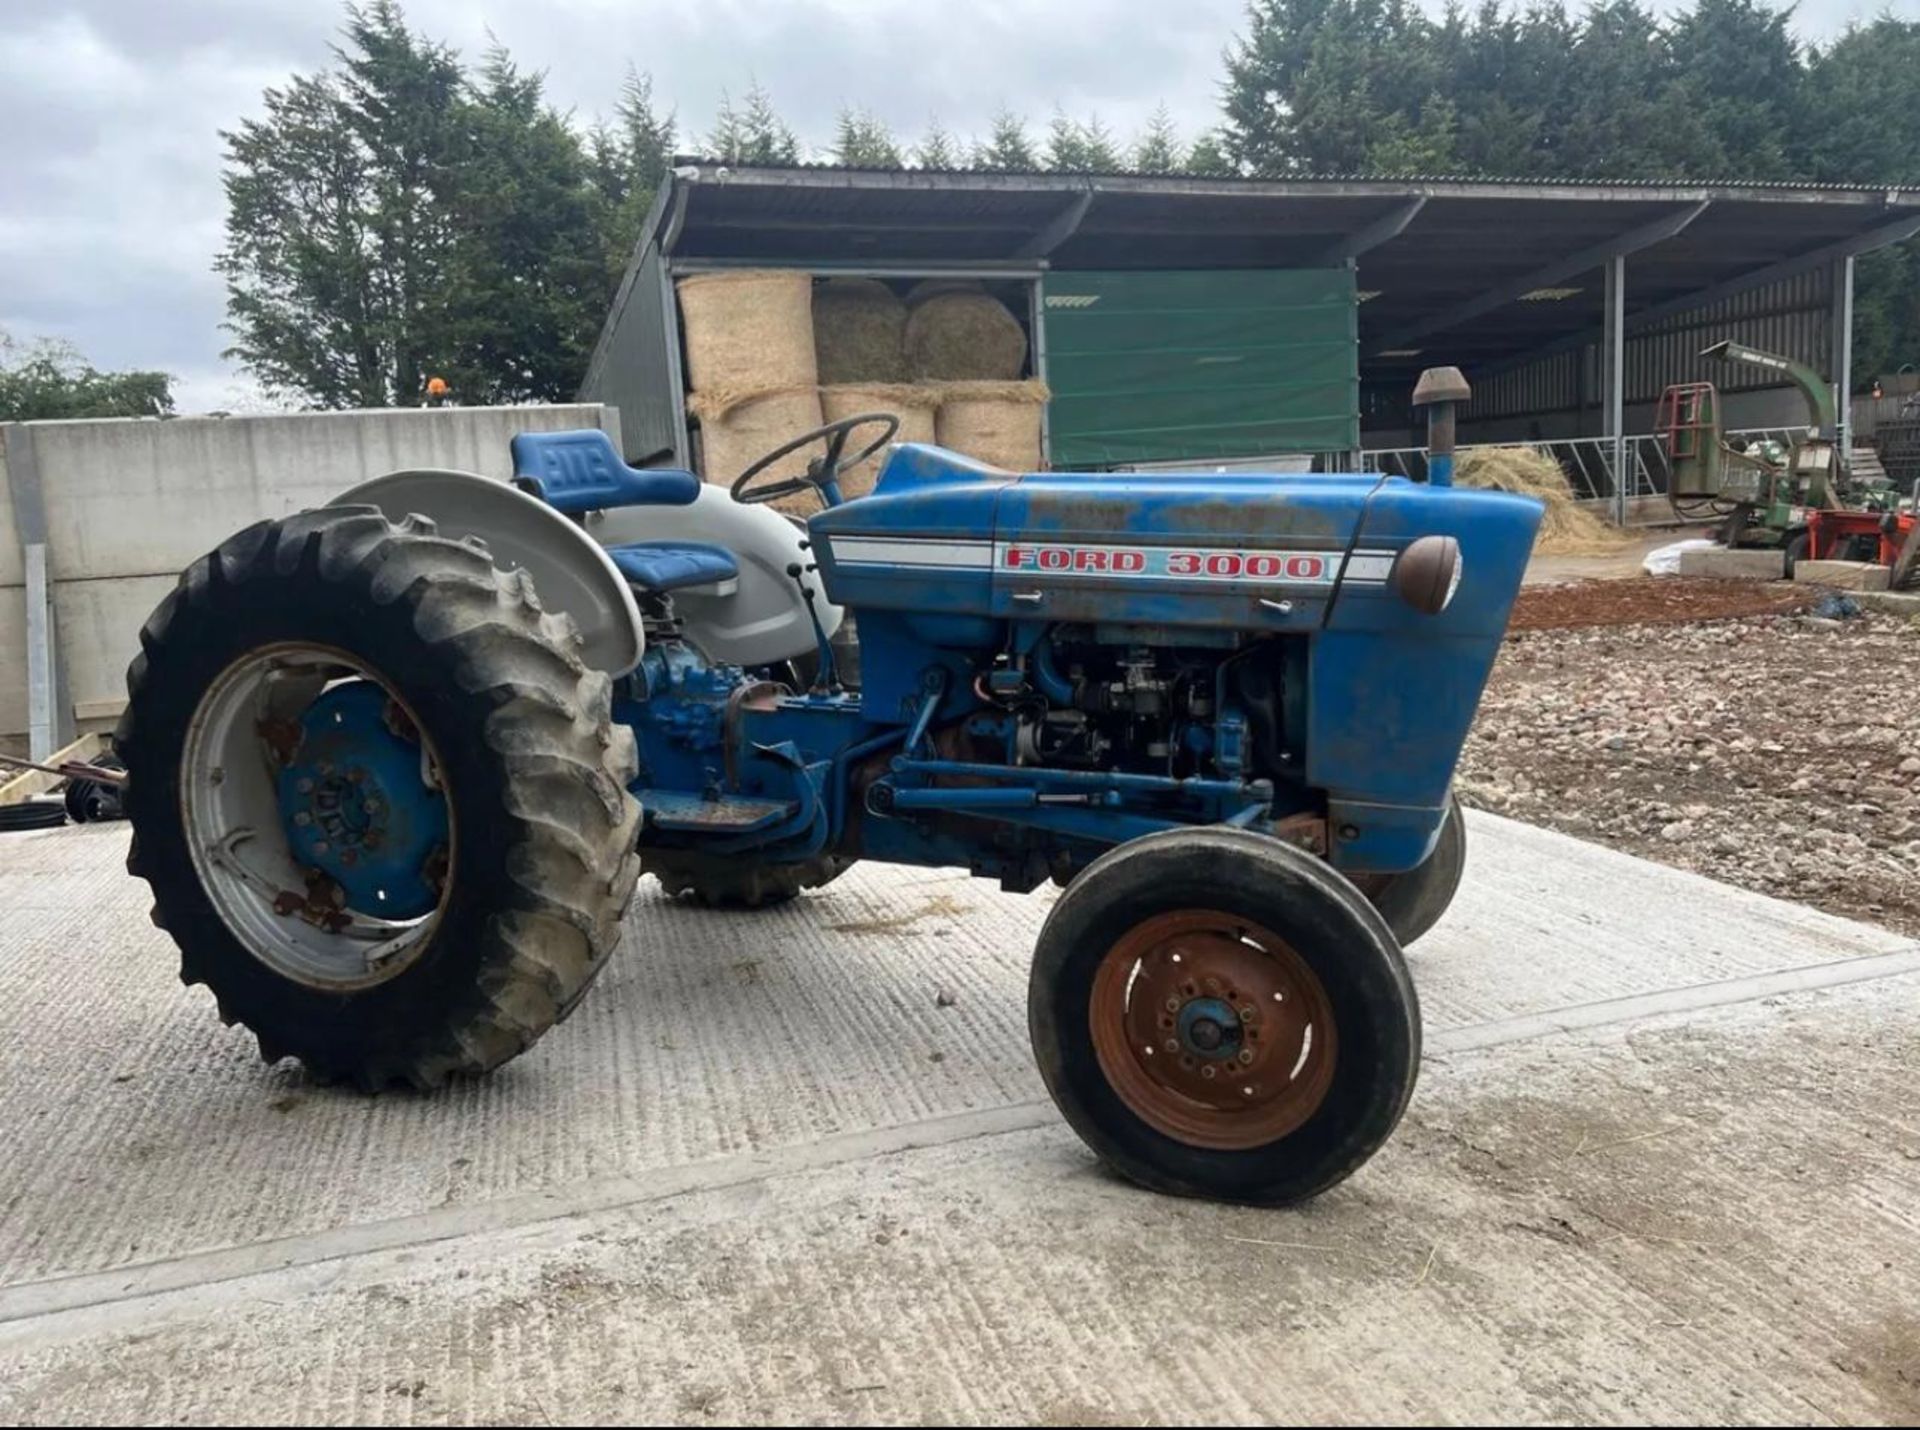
column 379, row 800
column 740, row 884
column 1413, row 902
column 1219, row 1014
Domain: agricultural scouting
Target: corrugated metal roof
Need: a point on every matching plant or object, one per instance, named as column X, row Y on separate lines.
column 1863, row 186
column 1446, row 256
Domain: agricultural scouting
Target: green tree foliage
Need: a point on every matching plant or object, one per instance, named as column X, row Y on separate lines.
column 395, row 218
column 1209, row 157
column 628, row 161
column 1099, row 151
column 1157, row 150
column 1362, row 86
column 1719, row 89
column 1065, row 153
column 1865, row 92
column 1075, row 147
column 753, row 135
column 863, row 141
column 49, row 380
column 629, row 157
column 1863, row 103
column 1741, row 73
column 339, row 219
column 1008, row 147
column 937, row 148
column 1316, row 84
column 526, row 284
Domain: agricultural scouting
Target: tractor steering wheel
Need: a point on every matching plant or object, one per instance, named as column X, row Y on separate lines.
column 823, row 473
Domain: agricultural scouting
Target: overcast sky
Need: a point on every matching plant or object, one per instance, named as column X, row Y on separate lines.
column 110, row 202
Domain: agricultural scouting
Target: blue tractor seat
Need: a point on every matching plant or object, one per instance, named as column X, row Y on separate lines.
column 580, row 471
column 669, row 565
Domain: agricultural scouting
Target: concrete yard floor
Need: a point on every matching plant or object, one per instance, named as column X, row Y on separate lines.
column 1664, row 1163
column 1618, row 564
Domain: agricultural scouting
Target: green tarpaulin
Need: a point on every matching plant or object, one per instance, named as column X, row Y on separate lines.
column 1187, row 366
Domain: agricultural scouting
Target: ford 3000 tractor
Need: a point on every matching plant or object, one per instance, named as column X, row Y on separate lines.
column 395, row 765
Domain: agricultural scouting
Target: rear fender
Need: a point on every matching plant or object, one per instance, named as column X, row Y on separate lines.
column 570, row 571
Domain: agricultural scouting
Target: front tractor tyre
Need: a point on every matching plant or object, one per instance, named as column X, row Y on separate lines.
column 1219, row 1014
column 1412, row 902
column 378, row 798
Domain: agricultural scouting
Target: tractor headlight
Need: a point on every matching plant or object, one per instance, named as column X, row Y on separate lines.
column 1428, row 573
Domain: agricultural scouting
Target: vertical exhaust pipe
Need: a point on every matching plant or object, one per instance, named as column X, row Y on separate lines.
column 1440, row 390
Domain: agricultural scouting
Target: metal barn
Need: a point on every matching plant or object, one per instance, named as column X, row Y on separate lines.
column 1220, row 322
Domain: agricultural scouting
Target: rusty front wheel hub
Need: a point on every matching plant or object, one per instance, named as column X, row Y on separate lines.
column 1213, row 1030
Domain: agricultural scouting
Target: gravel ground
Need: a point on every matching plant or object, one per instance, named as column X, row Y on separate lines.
column 1779, row 752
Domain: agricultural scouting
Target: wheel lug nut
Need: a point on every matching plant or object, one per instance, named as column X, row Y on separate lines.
column 1173, row 1045
column 303, row 819
column 1173, row 1005
column 1213, row 985
column 1246, row 1055
column 1208, row 1071
column 304, row 786
column 1246, row 1013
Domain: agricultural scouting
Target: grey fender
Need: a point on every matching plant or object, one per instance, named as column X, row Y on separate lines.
column 570, row 570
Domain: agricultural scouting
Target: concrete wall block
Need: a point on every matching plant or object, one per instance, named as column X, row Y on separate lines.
column 13, row 570
column 130, row 503
column 144, row 498
column 13, row 662
column 1844, row 575
column 100, row 631
column 1755, row 565
column 1892, row 603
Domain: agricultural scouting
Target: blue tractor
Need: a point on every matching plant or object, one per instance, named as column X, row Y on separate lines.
column 396, row 764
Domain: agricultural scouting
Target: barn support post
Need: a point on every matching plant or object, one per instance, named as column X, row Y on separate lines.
column 1613, row 350
column 1840, row 362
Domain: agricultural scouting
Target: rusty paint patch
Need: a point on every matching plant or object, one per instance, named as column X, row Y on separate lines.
column 320, row 906
column 1303, row 831
column 281, row 736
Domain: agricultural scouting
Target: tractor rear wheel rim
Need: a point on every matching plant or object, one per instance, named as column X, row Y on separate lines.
column 231, row 817
column 1213, row 1030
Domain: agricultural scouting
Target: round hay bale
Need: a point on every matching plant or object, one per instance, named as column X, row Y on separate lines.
column 859, row 331
column 914, row 406
column 737, row 429
column 1567, row 528
column 993, row 422
column 933, row 287
column 964, row 337
column 748, row 331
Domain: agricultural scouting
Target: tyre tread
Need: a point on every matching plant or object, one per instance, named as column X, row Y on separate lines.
column 571, row 866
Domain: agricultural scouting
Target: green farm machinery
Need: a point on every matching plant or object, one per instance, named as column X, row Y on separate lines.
column 1800, row 495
